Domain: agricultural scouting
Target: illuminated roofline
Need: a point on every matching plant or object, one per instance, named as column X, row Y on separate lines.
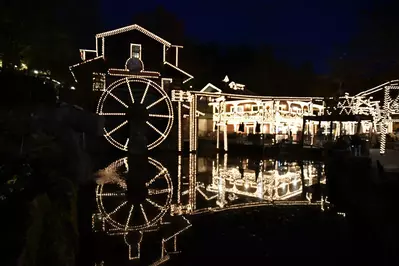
column 185, row 73
column 130, row 28
column 212, row 86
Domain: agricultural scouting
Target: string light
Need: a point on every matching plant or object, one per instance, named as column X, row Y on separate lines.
column 134, row 27
column 185, row 73
column 126, row 73
column 108, row 182
column 83, row 53
column 162, row 98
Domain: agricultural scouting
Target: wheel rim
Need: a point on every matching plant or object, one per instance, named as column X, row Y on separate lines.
column 115, row 101
column 124, row 215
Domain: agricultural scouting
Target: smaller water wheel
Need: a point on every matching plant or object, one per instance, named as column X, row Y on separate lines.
column 127, row 94
column 145, row 208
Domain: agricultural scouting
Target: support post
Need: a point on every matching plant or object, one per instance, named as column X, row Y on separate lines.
column 191, row 124
column 195, row 124
column 217, row 136
column 179, row 170
column 192, row 181
column 179, row 129
column 303, row 130
column 225, row 140
column 385, row 121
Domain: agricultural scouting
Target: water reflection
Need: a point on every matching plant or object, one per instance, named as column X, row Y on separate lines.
column 202, row 185
column 119, row 215
column 223, row 184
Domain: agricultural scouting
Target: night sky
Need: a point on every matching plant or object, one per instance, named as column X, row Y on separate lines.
column 298, row 30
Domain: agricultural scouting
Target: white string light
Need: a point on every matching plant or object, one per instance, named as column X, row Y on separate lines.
column 108, row 182
column 162, row 99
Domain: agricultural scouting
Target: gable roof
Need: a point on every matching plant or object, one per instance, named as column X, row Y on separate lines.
column 226, row 89
column 210, row 86
column 131, row 28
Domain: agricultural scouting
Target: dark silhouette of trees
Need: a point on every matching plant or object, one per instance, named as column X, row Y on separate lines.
column 163, row 23
column 45, row 34
column 371, row 57
column 256, row 67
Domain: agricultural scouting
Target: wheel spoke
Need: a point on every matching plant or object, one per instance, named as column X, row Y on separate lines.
column 117, row 208
column 154, row 204
column 163, row 171
column 159, row 115
column 130, row 90
column 156, row 102
column 156, row 129
column 145, row 93
column 128, row 217
column 158, row 191
column 113, row 114
column 127, row 142
column 116, row 128
column 119, row 100
column 144, row 214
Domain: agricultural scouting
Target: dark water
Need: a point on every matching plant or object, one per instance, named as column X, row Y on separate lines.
column 207, row 211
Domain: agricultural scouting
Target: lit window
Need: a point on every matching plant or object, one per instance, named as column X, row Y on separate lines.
column 98, row 82
column 135, row 50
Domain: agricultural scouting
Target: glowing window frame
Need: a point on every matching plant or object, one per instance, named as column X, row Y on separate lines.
column 131, row 50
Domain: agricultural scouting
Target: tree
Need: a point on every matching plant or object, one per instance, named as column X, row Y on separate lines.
column 45, row 34
column 370, row 58
column 163, row 23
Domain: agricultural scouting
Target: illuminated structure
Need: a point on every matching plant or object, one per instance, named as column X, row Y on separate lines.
column 167, row 208
column 281, row 185
column 233, row 112
column 117, row 71
column 118, row 216
column 390, row 107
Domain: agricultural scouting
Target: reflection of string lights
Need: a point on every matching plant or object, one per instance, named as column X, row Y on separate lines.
column 110, row 177
column 272, row 187
column 119, row 195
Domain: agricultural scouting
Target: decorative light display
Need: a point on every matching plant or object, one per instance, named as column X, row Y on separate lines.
column 83, row 53
column 81, row 63
column 271, row 187
column 111, row 202
column 134, row 27
column 178, row 69
column 270, row 111
column 107, row 194
column 150, row 87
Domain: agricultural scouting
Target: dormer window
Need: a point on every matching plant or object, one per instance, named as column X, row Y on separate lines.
column 135, row 50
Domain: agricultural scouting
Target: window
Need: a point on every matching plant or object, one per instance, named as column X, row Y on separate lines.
column 98, row 82
column 255, row 108
column 236, row 109
column 135, row 50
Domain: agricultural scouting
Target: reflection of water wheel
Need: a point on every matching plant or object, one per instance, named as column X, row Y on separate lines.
column 120, row 95
column 118, row 210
